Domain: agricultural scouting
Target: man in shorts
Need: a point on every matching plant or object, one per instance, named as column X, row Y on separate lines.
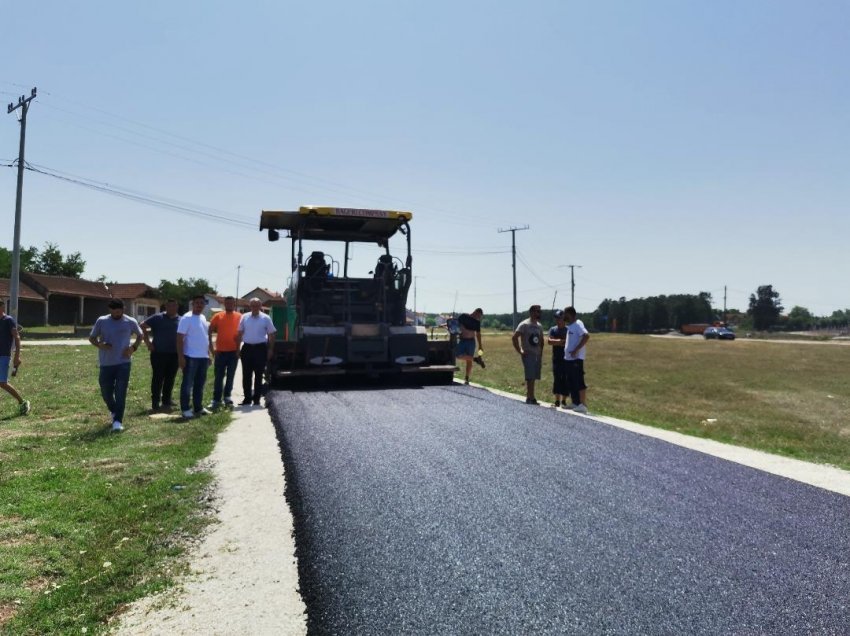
column 574, row 352
column 528, row 342
column 470, row 331
column 9, row 335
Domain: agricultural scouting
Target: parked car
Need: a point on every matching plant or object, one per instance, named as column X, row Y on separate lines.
column 718, row 333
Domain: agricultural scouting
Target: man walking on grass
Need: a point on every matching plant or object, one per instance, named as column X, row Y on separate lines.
column 111, row 335
column 574, row 352
column 193, row 358
column 528, row 342
column 9, row 335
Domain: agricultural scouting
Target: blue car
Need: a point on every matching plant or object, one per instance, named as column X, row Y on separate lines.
column 718, row 333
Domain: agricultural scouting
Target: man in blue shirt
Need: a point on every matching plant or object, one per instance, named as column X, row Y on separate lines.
column 163, row 350
column 111, row 335
column 8, row 335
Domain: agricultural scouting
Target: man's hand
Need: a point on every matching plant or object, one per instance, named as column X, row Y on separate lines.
column 149, row 345
column 128, row 352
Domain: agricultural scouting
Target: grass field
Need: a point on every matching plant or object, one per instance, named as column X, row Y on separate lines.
column 788, row 399
column 90, row 520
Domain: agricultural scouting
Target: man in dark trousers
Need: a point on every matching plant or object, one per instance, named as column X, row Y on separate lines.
column 558, row 339
column 256, row 333
column 163, row 349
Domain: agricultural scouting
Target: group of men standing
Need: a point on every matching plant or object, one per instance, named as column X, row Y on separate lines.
column 567, row 337
column 184, row 343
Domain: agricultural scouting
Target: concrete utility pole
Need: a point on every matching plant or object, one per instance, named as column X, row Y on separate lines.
column 238, row 272
column 573, row 284
column 725, row 322
column 513, row 231
column 415, row 315
column 14, row 283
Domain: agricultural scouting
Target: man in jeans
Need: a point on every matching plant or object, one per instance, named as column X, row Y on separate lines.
column 226, row 325
column 111, row 335
column 256, row 333
column 163, row 350
column 193, row 358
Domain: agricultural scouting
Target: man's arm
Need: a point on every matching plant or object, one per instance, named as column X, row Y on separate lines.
column 17, row 337
column 181, row 359
column 516, row 339
column 581, row 343
column 213, row 329
column 95, row 339
column 145, row 335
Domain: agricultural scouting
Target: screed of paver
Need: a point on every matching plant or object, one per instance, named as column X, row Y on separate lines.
column 245, row 576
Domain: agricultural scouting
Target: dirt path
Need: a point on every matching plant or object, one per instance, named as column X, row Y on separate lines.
column 245, row 577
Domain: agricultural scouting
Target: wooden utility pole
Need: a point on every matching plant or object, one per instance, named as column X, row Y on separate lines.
column 513, row 231
column 14, row 283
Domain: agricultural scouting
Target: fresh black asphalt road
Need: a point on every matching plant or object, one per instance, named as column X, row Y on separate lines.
column 449, row 510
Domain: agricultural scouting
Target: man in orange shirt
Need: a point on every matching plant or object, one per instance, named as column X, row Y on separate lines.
column 225, row 324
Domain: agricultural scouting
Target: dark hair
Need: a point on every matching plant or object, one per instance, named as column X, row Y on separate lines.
column 199, row 297
column 570, row 311
column 229, row 298
column 116, row 303
column 478, row 310
column 535, row 308
column 170, row 300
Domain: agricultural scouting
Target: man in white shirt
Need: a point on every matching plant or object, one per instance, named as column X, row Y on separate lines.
column 193, row 357
column 574, row 352
column 256, row 333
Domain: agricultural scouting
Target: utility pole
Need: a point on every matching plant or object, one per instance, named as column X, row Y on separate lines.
column 238, row 272
column 14, row 283
column 415, row 315
column 725, row 322
column 513, row 231
column 573, row 284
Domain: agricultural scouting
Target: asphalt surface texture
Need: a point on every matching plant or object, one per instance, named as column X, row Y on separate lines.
column 449, row 510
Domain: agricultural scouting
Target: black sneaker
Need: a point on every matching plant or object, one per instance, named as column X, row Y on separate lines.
column 531, row 401
column 245, row 403
column 479, row 361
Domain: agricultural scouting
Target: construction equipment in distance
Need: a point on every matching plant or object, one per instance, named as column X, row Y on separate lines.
column 333, row 323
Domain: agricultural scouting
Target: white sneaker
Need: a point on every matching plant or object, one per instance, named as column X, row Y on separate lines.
column 568, row 406
column 188, row 414
column 117, row 427
column 580, row 408
column 204, row 412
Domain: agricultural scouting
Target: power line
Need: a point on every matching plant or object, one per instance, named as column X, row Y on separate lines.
column 125, row 193
column 318, row 184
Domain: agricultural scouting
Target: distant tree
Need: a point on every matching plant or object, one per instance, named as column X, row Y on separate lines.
column 185, row 289
column 765, row 307
column 29, row 257
column 800, row 318
column 51, row 261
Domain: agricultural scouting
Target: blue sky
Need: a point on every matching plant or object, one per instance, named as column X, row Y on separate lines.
column 666, row 147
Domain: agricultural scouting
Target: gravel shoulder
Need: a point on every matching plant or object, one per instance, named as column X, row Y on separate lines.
column 244, row 574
